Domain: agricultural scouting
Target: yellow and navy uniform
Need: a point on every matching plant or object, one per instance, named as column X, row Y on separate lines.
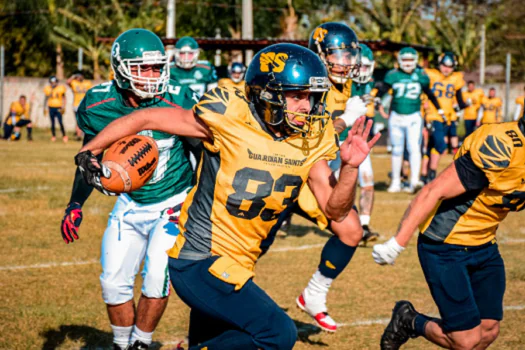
column 491, row 167
column 246, row 178
column 227, row 83
column 491, row 110
column 17, row 111
column 444, row 88
column 79, row 90
column 54, row 95
column 336, row 99
column 475, row 97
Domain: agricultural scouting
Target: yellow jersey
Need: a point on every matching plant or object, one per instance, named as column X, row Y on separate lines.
column 54, row 95
column 17, row 111
column 491, row 110
column 444, row 89
column 227, row 82
column 245, row 180
column 521, row 101
column 79, row 90
column 473, row 98
column 491, row 167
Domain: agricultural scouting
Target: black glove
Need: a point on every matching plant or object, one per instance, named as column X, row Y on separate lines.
column 71, row 222
column 92, row 170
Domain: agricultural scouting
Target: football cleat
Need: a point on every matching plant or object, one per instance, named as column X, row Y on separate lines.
column 138, row 345
column 53, row 139
column 65, row 139
column 401, row 326
column 118, row 347
column 394, row 189
column 368, row 235
column 323, row 320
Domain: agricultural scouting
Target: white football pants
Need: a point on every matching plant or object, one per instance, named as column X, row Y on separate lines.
column 405, row 128
column 137, row 232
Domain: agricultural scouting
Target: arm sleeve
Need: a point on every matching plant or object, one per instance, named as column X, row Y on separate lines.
column 382, row 88
column 83, row 118
column 81, row 190
column 431, row 97
column 459, row 98
column 517, row 113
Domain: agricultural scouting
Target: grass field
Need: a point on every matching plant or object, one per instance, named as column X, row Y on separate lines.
column 50, row 294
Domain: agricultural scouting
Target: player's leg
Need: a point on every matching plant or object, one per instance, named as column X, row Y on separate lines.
column 122, row 252
column 414, row 135
column 19, row 125
column 52, row 116
column 256, row 321
column 397, row 137
column 453, row 137
column 470, row 126
column 61, row 124
column 366, row 199
column 439, row 147
column 8, row 131
column 335, row 256
column 156, row 286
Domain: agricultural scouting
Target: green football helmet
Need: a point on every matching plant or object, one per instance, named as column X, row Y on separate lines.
column 131, row 52
column 407, row 59
column 367, row 65
column 186, row 52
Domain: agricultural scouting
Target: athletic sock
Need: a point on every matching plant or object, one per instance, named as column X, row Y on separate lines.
column 121, row 335
column 145, row 337
column 420, row 323
column 431, row 174
column 29, row 133
column 315, row 292
column 334, row 257
column 397, row 164
column 365, row 220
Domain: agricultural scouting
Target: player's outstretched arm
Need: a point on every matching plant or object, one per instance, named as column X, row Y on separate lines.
column 447, row 185
column 176, row 121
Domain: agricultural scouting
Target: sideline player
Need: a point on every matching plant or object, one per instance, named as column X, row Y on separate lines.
column 235, row 76
column 18, row 117
column 55, row 102
column 472, row 97
column 188, row 70
column 80, row 86
column 260, row 150
column 490, row 111
column 405, row 124
column 446, row 85
column 520, row 111
column 458, row 215
column 138, row 227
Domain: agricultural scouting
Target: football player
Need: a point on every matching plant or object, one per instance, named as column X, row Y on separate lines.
column 18, row 117
column 260, row 149
column 446, row 85
column 490, row 110
column 138, row 228
column 55, row 102
column 80, row 86
column 458, row 215
column 472, row 98
column 405, row 122
column 236, row 75
column 188, row 70
column 520, row 102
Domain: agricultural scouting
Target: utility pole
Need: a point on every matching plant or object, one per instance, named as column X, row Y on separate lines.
column 2, row 64
column 170, row 27
column 80, row 58
column 482, row 56
column 247, row 27
column 507, row 87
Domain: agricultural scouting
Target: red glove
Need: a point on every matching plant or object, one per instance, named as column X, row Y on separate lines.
column 71, row 222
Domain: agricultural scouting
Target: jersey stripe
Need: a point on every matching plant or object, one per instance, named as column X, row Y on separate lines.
column 198, row 226
column 101, row 102
column 166, row 101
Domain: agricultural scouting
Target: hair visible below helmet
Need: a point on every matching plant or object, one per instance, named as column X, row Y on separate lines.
column 407, row 59
column 236, row 67
column 288, row 67
column 338, row 47
column 367, row 65
column 137, row 48
column 186, row 46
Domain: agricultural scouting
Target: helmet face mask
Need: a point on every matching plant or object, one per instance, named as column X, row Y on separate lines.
column 186, row 57
column 407, row 59
column 236, row 72
column 342, row 64
column 135, row 52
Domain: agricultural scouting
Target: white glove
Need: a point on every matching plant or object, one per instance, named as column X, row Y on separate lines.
column 355, row 107
column 442, row 114
column 388, row 252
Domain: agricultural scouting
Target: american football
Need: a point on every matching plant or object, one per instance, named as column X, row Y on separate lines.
column 132, row 160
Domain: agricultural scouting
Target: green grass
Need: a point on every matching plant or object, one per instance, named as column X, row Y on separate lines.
column 61, row 307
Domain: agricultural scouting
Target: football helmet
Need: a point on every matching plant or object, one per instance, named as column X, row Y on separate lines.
column 407, row 59
column 236, row 67
column 186, row 52
column 53, row 80
column 288, row 67
column 338, row 47
column 137, row 48
column 448, row 59
column 367, row 65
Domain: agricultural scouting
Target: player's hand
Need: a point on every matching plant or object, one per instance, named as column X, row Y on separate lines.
column 355, row 148
column 92, row 170
column 174, row 213
column 71, row 222
column 442, row 115
column 355, row 107
column 478, row 124
column 387, row 252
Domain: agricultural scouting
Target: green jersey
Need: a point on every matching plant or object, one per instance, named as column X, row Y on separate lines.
column 362, row 89
column 407, row 90
column 200, row 78
column 105, row 103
